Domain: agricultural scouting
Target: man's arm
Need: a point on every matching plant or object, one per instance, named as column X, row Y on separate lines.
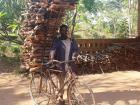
column 52, row 52
column 75, row 49
column 53, row 49
column 75, row 45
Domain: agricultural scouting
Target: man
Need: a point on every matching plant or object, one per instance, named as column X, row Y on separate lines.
column 63, row 48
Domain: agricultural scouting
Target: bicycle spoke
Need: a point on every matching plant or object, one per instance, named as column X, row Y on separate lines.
column 39, row 90
column 80, row 94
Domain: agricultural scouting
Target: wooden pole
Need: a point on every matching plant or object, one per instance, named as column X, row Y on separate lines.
column 73, row 22
column 138, row 29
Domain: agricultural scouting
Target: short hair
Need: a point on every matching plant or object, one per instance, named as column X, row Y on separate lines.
column 63, row 26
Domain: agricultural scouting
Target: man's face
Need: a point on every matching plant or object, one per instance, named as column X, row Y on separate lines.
column 64, row 31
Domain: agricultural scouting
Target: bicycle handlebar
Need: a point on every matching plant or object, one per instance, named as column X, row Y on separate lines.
column 57, row 61
column 79, row 57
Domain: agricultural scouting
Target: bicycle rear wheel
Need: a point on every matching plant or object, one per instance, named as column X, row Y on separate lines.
column 40, row 90
column 80, row 94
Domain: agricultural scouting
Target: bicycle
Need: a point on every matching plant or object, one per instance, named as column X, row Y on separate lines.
column 49, row 89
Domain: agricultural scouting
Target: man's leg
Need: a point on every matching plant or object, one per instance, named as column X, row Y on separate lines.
column 61, row 77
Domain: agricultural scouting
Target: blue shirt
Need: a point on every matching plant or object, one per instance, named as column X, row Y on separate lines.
column 60, row 49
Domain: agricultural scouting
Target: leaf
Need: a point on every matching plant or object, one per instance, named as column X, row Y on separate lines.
column 2, row 14
column 13, row 26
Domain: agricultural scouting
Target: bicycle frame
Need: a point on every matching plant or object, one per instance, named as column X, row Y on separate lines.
column 70, row 76
column 52, row 89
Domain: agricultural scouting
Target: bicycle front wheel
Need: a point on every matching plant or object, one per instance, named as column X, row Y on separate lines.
column 80, row 94
column 39, row 90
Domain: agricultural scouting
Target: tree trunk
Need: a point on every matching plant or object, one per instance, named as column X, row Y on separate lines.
column 138, row 18
column 129, row 21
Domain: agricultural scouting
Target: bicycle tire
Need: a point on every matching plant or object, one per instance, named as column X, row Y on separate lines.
column 40, row 90
column 55, row 86
column 79, row 93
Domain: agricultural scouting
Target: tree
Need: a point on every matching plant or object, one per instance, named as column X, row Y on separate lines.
column 105, row 17
column 10, row 20
column 138, row 18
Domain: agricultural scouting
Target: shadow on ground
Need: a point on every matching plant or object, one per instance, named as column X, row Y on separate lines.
column 118, row 98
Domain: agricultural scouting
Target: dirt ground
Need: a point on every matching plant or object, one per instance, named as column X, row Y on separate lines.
column 117, row 88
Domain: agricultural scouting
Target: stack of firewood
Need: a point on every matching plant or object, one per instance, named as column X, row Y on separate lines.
column 126, row 56
column 118, row 56
column 41, row 24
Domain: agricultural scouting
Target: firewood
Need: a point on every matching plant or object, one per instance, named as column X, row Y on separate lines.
column 61, row 6
column 34, row 69
column 40, row 26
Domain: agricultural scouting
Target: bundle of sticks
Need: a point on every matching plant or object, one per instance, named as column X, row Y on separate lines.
column 126, row 56
column 42, row 19
column 118, row 56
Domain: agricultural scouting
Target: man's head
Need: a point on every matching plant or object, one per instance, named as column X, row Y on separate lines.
column 64, row 31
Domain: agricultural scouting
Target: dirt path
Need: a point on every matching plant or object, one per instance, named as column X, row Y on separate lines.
column 118, row 88
column 13, row 90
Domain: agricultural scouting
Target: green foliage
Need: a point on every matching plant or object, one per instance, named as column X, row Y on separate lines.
column 95, row 19
column 13, row 26
column 89, row 5
column 15, row 50
column 2, row 50
column 2, row 14
column 11, row 64
column 9, row 60
column 92, row 5
column 122, row 29
column 9, row 49
column 106, row 18
column 115, row 5
column 10, row 21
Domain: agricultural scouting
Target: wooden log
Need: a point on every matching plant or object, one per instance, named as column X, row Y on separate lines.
column 61, row 6
column 34, row 69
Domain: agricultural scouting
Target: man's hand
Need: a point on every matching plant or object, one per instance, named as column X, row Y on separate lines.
column 51, row 57
column 75, row 58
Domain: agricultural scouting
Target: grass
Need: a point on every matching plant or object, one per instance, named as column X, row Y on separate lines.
column 9, row 64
